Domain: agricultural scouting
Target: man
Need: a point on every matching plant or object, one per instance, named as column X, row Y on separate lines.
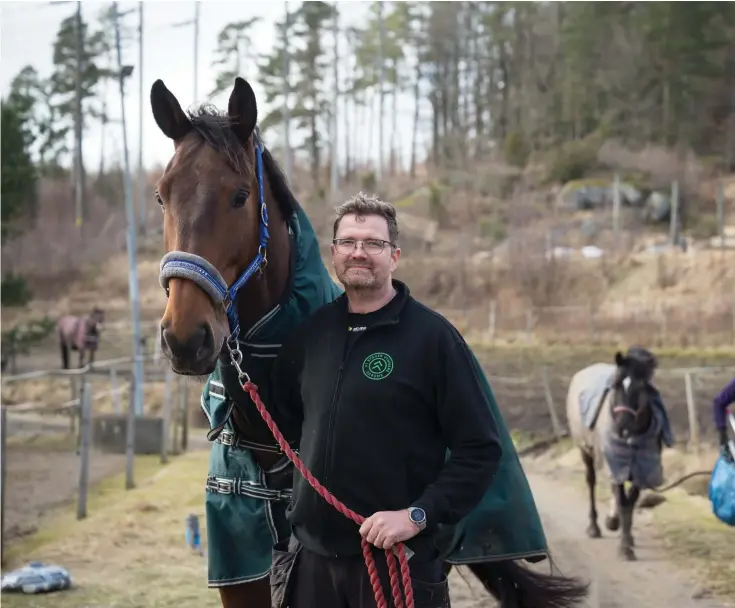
column 725, row 398
column 378, row 387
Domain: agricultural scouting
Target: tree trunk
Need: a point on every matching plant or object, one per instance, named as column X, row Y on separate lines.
column 416, row 102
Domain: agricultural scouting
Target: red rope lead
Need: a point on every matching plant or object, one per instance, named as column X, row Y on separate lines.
column 252, row 389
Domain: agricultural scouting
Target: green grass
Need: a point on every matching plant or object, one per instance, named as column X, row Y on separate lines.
column 130, row 550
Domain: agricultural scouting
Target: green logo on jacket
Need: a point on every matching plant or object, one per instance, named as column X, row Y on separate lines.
column 377, row 366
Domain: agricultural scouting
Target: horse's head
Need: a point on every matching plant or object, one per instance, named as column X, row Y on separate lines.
column 213, row 227
column 95, row 320
column 632, row 392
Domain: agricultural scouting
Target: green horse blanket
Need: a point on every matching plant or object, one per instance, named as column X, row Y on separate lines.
column 245, row 517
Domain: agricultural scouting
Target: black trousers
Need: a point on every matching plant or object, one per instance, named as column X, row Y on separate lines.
column 303, row 579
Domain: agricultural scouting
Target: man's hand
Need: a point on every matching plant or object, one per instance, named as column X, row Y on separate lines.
column 726, row 454
column 386, row 528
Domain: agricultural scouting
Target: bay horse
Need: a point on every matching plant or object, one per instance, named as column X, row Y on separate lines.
column 617, row 419
column 80, row 334
column 242, row 268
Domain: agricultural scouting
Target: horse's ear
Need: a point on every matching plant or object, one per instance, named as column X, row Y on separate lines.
column 169, row 116
column 242, row 109
column 619, row 359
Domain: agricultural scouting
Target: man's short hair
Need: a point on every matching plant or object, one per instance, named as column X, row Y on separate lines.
column 369, row 204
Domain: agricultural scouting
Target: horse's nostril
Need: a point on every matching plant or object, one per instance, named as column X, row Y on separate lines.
column 198, row 345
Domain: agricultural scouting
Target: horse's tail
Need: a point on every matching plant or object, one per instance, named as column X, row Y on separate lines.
column 519, row 587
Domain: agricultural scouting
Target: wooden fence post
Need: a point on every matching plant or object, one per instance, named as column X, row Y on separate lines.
column 555, row 425
column 166, row 415
column 115, row 393
column 130, row 437
column 184, row 415
column 529, row 324
column 692, row 411
column 3, row 472
column 491, row 321
column 721, row 214
column 85, row 422
column 591, row 320
column 73, row 410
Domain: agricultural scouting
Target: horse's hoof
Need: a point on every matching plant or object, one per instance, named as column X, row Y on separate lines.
column 612, row 522
column 593, row 531
column 627, row 553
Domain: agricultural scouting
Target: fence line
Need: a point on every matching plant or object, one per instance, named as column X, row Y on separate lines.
column 173, row 413
column 599, row 325
column 543, row 380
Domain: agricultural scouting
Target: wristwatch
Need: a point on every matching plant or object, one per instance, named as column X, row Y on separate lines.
column 418, row 516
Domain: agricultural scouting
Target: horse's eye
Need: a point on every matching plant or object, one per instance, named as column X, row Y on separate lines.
column 158, row 198
column 240, row 198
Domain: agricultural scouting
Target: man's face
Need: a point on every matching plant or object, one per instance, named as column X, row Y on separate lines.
column 356, row 268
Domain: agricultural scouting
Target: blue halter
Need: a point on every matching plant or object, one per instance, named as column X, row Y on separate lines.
column 184, row 265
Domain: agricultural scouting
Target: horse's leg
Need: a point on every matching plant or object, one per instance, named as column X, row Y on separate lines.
column 631, row 501
column 612, row 519
column 81, row 357
column 593, row 530
column 64, row 353
column 255, row 594
column 624, row 549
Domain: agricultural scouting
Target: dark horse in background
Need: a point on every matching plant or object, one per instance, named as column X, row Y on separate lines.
column 617, row 419
column 226, row 206
column 81, row 334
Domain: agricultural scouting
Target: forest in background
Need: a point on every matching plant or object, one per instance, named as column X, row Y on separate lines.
column 524, row 84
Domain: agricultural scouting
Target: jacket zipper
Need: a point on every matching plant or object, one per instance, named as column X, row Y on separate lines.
column 335, row 395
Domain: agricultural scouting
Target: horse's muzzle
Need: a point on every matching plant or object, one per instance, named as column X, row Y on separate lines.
column 193, row 354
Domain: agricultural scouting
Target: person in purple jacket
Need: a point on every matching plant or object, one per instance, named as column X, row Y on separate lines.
column 719, row 408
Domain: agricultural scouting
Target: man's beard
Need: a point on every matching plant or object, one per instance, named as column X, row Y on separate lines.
column 364, row 280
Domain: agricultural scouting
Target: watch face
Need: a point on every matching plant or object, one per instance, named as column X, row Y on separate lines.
column 418, row 515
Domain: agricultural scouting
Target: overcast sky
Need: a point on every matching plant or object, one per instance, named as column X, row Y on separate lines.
column 29, row 29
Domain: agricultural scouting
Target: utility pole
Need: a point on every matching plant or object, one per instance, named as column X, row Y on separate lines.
column 196, row 50
column 78, row 162
column 288, row 163
column 141, row 175
column 381, row 77
column 335, row 100
column 195, row 23
column 124, row 71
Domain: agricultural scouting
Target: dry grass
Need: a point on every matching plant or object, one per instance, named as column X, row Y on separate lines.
column 700, row 541
column 130, row 551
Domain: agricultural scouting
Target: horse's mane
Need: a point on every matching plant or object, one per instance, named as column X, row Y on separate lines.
column 214, row 127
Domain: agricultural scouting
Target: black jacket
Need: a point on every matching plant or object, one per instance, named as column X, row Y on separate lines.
column 376, row 416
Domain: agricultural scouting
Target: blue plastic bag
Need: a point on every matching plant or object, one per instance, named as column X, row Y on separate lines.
column 722, row 491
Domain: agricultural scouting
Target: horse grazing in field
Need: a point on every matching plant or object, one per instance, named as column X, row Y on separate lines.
column 80, row 334
column 617, row 417
column 242, row 269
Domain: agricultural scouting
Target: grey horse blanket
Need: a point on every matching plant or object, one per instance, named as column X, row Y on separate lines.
column 635, row 459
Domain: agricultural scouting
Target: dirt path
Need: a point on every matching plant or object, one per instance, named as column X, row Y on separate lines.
column 651, row 582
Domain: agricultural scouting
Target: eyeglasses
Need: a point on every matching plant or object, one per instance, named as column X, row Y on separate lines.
column 369, row 246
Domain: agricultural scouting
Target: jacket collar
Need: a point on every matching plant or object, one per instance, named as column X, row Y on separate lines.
column 397, row 304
